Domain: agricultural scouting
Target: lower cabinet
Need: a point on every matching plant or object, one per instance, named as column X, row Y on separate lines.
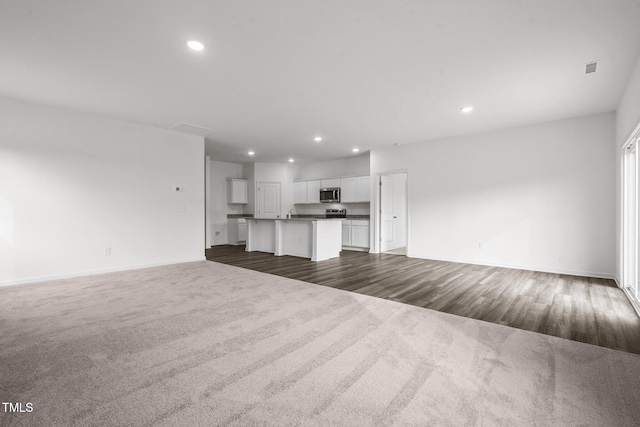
column 355, row 233
column 236, row 231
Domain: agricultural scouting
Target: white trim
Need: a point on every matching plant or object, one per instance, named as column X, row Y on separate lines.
column 635, row 304
column 375, row 219
column 92, row 272
column 594, row 274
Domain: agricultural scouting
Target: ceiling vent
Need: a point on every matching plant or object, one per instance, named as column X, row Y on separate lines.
column 189, row 128
column 590, row 67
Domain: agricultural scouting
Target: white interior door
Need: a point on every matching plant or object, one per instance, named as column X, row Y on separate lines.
column 386, row 213
column 268, row 200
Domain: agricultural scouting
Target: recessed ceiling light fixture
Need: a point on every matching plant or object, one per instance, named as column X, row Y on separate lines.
column 251, row 153
column 195, row 45
column 317, row 139
column 355, row 150
column 467, row 109
column 290, row 160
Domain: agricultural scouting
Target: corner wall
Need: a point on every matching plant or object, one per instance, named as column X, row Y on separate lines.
column 538, row 197
column 73, row 184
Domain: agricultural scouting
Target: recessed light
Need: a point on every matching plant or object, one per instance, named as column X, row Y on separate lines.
column 317, row 139
column 195, row 45
column 355, row 150
column 290, row 160
column 467, row 109
column 251, row 153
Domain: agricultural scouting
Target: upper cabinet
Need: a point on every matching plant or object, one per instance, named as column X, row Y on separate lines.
column 364, row 192
column 313, row 191
column 330, row 183
column 352, row 190
column 349, row 190
column 300, row 192
column 237, row 191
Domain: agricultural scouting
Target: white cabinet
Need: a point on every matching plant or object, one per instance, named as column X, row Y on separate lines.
column 360, row 233
column 331, row 183
column 346, row 233
column 300, row 192
column 236, row 231
column 355, row 233
column 363, row 190
column 237, row 191
column 354, row 190
column 306, row 192
column 348, row 190
column 313, row 191
column 242, row 230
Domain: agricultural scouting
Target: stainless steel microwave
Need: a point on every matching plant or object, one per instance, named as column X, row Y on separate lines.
column 330, row 195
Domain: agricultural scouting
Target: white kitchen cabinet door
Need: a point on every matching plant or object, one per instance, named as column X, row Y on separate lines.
column 330, row 183
column 348, row 190
column 313, row 191
column 237, row 191
column 346, row 234
column 242, row 230
column 360, row 234
column 300, row 192
column 363, row 189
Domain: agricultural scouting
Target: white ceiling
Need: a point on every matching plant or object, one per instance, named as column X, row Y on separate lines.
column 360, row 73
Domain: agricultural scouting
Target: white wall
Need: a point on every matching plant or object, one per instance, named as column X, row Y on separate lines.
column 538, row 197
column 220, row 171
column 351, row 166
column 627, row 118
column 628, row 113
column 248, row 173
column 72, row 184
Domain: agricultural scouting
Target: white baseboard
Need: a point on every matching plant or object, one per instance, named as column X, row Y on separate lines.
column 595, row 274
column 92, row 272
column 634, row 303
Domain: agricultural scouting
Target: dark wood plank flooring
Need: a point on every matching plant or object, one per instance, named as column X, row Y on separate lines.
column 589, row 310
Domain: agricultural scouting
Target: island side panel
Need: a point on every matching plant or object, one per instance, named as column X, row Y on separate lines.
column 327, row 240
column 261, row 235
column 296, row 238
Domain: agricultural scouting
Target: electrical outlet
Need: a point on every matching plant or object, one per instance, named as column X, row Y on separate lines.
column 217, row 233
column 481, row 246
column 181, row 209
column 107, row 251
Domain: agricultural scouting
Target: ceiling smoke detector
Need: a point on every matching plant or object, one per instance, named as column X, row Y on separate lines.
column 590, row 67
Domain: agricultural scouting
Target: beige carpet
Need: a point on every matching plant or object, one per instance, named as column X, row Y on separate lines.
column 210, row 344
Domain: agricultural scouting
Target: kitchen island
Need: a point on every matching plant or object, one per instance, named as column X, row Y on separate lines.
column 318, row 239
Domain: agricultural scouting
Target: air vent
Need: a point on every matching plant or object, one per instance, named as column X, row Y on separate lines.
column 189, row 128
column 590, row 67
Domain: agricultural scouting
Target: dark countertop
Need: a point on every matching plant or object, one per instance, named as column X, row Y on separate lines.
column 320, row 216
column 302, row 216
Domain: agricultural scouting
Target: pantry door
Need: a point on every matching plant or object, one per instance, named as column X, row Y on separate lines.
column 268, row 200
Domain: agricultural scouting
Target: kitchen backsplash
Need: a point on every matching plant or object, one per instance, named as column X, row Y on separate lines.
column 320, row 208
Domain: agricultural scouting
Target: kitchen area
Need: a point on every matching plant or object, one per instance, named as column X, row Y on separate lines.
column 306, row 212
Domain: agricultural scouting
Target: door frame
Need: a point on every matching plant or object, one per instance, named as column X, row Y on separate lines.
column 375, row 232
column 630, row 220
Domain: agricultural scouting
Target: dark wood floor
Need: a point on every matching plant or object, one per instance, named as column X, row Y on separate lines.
column 582, row 309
